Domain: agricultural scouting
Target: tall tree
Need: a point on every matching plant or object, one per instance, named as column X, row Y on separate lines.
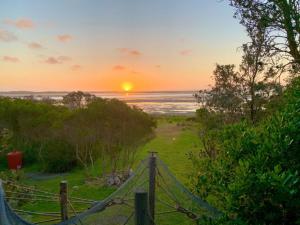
column 280, row 20
column 225, row 94
column 242, row 92
column 77, row 99
column 258, row 79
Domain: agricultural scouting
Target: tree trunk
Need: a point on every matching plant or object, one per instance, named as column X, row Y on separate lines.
column 288, row 24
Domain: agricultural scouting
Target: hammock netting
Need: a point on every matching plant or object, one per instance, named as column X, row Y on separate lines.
column 174, row 204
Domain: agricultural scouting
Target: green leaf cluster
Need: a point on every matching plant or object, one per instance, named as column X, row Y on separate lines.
column 254, row 174
column 59, row 138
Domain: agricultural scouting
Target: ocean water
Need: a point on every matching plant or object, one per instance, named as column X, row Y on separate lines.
column 179, row 102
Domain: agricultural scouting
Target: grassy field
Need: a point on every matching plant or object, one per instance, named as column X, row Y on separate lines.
column 174, row 138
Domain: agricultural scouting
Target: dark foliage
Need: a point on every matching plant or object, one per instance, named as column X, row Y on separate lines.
column 60, row 138
column 254, row 175
column 279, row 20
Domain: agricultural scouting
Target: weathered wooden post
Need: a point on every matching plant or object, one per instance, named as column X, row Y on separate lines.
column 152, row 175
column 141, row 208
column 63, row 194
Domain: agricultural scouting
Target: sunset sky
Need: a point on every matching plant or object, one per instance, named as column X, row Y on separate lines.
column 98, row 45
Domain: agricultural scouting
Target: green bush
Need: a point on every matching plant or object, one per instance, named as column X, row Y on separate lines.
column 58, row 156
column 59, row 138
column 254, row 177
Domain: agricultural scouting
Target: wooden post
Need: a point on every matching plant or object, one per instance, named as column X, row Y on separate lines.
column 63, row 200
column 152, row 175
column 141, row 208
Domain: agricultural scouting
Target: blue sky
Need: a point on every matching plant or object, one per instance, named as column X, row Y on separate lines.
column 156, row 45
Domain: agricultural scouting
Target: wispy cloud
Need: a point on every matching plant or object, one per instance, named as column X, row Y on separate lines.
column 52, row 60
column 185, row 52
column 157, row 66
column 7, row 36
column 35, row 45
column 21, row 23
column 130, row 52
column 57, row 60
column 119, row 68
column 10, row 59
column 64, row 58
column 64, row 38
column 135, row 53
column 76, row 67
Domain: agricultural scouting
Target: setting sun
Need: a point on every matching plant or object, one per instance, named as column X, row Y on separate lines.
column 127, row 86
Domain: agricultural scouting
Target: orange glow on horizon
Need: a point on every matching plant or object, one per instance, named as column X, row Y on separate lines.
column 127, row 86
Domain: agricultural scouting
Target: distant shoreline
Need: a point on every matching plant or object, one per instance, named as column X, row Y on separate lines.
column 92, row 92
column 154, row 103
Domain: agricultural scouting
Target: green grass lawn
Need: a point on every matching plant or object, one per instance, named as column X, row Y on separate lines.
column 174, row 138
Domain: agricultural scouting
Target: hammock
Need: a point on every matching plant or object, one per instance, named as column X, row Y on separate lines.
column 174, row 203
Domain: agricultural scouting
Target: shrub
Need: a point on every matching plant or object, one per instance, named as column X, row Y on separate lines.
column 58, row 156
column 60, row 138
column 254, row 177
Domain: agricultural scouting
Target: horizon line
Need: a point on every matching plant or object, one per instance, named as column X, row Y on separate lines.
column 46, row 91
